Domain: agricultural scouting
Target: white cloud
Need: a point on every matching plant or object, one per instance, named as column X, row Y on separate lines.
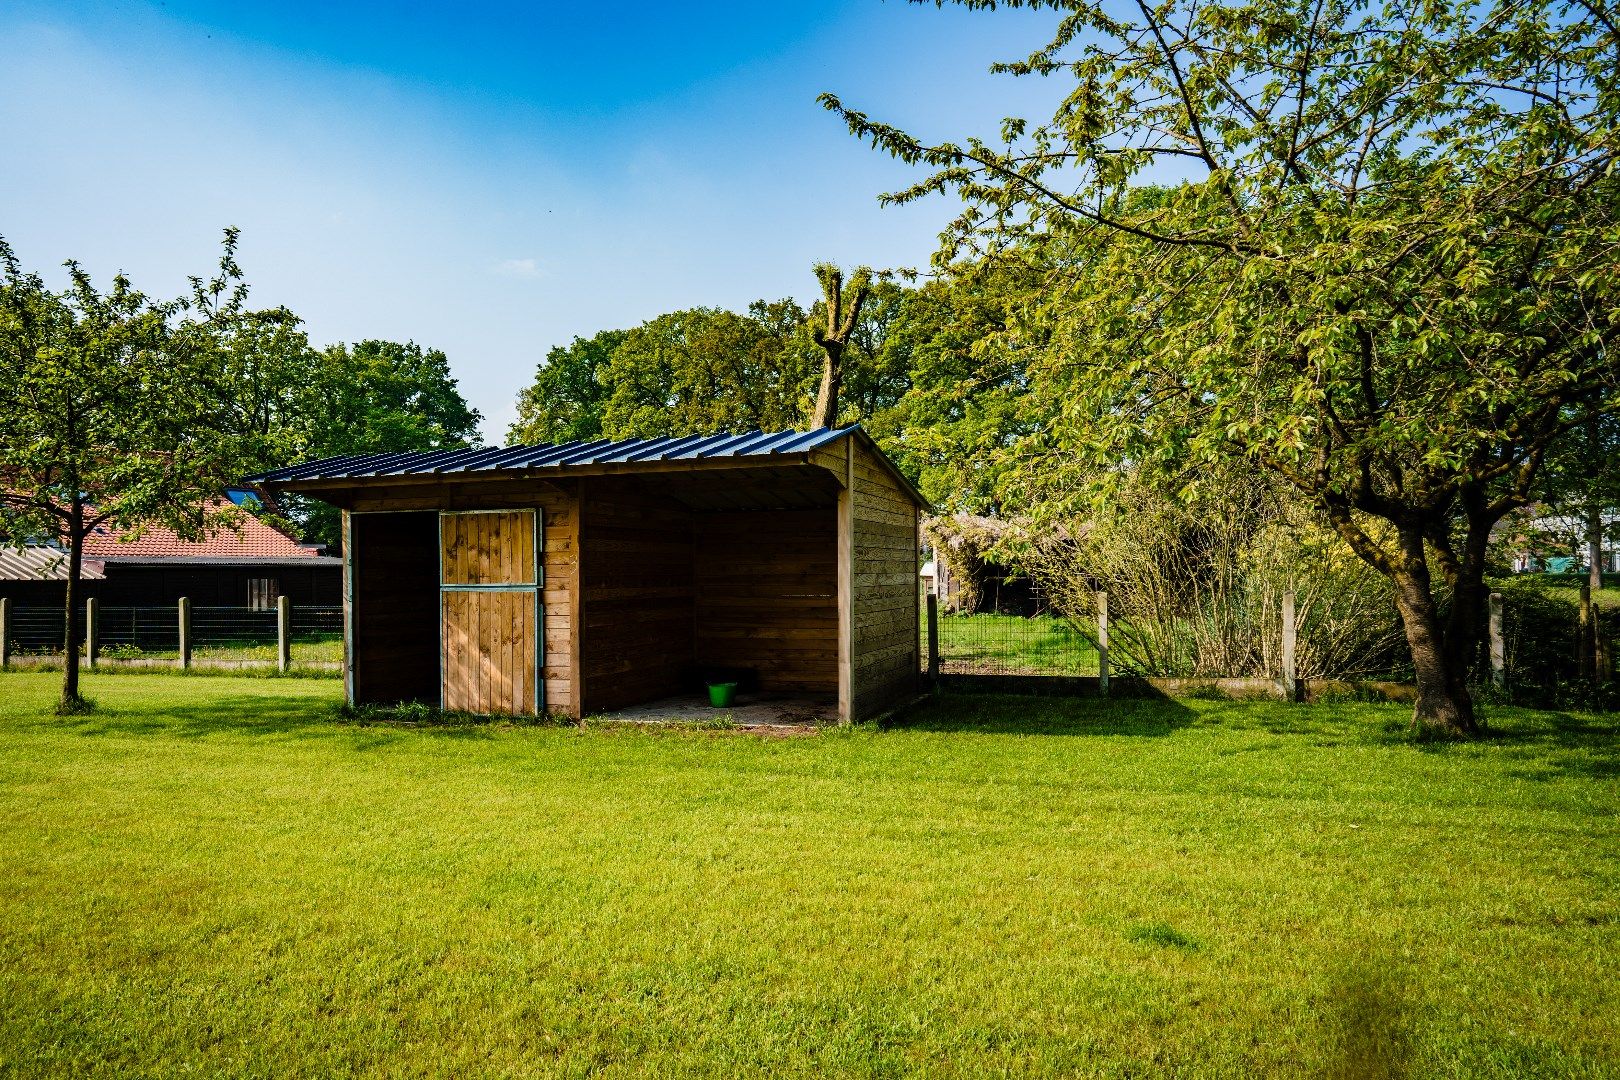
column 519, row 268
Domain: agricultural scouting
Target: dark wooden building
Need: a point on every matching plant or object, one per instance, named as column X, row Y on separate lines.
column 247, row 566
column 588, row 577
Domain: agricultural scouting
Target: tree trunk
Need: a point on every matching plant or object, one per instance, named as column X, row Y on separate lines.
column 1440, row 652
column 832, row 377
column 72, row 626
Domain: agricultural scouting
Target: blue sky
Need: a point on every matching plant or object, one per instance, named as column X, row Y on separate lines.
column 489, row 179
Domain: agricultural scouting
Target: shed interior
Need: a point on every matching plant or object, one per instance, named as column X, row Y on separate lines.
column 652, row 583
column 682, row 576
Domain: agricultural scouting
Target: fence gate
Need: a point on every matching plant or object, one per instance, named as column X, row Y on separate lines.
column 489, row 599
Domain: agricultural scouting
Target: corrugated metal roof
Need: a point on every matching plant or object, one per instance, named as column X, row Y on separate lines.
column 753, row 444
column 38, row 563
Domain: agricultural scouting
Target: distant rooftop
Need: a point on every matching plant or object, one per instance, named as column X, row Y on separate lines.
column 36, row 562
column 257, row 540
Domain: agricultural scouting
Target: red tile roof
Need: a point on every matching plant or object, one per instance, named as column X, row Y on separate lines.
column 255, row 540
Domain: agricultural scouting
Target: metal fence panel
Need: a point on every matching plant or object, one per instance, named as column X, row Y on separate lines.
column 155, row 630
column 1010, row 645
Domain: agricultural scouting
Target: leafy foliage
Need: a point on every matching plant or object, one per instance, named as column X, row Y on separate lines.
column 1196, row 589
column 565, row 401
column 1389, row 276
column 708, row 370
column 116, row 410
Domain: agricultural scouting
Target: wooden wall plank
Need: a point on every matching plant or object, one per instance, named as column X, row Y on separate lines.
column 884, row 587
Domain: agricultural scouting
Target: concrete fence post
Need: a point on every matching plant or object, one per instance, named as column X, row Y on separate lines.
column 1102, row 642
column 933, row 640
column 92, row 631
column 283, row 633
column 1585, row 653
column 184, row 611
column 1498, row 642
column 5, row 630
column 1290, row 644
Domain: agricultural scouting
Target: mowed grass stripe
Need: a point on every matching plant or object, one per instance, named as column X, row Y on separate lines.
column 218, row 875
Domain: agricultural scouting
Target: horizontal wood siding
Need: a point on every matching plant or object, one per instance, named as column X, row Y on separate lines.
column 396, row 607
column 767, row 596
column 884, row 588
column 636, row 592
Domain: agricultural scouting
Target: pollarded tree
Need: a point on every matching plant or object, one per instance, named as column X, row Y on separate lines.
column 1389, row 275
column 842, row 314
column 116, row 410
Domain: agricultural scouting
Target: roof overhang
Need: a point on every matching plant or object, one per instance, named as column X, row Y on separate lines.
column 623, row 457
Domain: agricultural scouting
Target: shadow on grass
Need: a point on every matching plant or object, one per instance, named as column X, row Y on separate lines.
column 1367, row 1022
column 1555, row 745
column 262, row 717
column 1014, row 714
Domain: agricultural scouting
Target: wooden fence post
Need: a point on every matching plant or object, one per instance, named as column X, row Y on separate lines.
column 92, row 630
column 1498, row 643
column 933, row 640
column 1102, row 642
column 283, row 632
column 1290, row 642
column 5, row 630
column 184, row 608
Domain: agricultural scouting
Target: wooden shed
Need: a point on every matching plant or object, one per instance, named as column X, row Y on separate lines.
column 590, row 577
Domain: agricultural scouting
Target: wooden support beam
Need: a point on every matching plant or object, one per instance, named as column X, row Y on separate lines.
column 933, row 641
column 846, row 588
column 1102, row 642
column 348, row 607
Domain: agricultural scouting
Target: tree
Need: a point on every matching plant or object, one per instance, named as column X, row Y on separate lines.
column 963, row 392
column 1388, row 277
column 565, row 401
column 115, row 410
column 833, row 337
column 708, row 370
column 376, row 397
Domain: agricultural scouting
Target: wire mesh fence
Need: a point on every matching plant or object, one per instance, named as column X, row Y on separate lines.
column 989, row 644
column 226, row 633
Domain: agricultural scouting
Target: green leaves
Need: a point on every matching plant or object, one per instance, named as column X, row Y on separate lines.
column 115, row 408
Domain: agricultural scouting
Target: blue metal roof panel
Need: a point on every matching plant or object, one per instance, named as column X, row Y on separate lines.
column 751, row 444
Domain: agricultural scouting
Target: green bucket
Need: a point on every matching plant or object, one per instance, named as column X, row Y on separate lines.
column 721, row 693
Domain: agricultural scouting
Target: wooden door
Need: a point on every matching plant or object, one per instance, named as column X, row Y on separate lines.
column 489, row 571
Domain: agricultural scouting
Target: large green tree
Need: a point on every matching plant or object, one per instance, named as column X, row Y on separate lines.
column 1389, row 275
column 375, row 397
column 296, row 402
column 566, row 399
column 708, row 370
column 116, row 410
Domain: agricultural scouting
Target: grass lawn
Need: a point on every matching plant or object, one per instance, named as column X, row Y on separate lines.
column 213, row 876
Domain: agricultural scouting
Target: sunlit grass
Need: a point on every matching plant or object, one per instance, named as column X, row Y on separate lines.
column 1012, row 644
column 217, row 876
